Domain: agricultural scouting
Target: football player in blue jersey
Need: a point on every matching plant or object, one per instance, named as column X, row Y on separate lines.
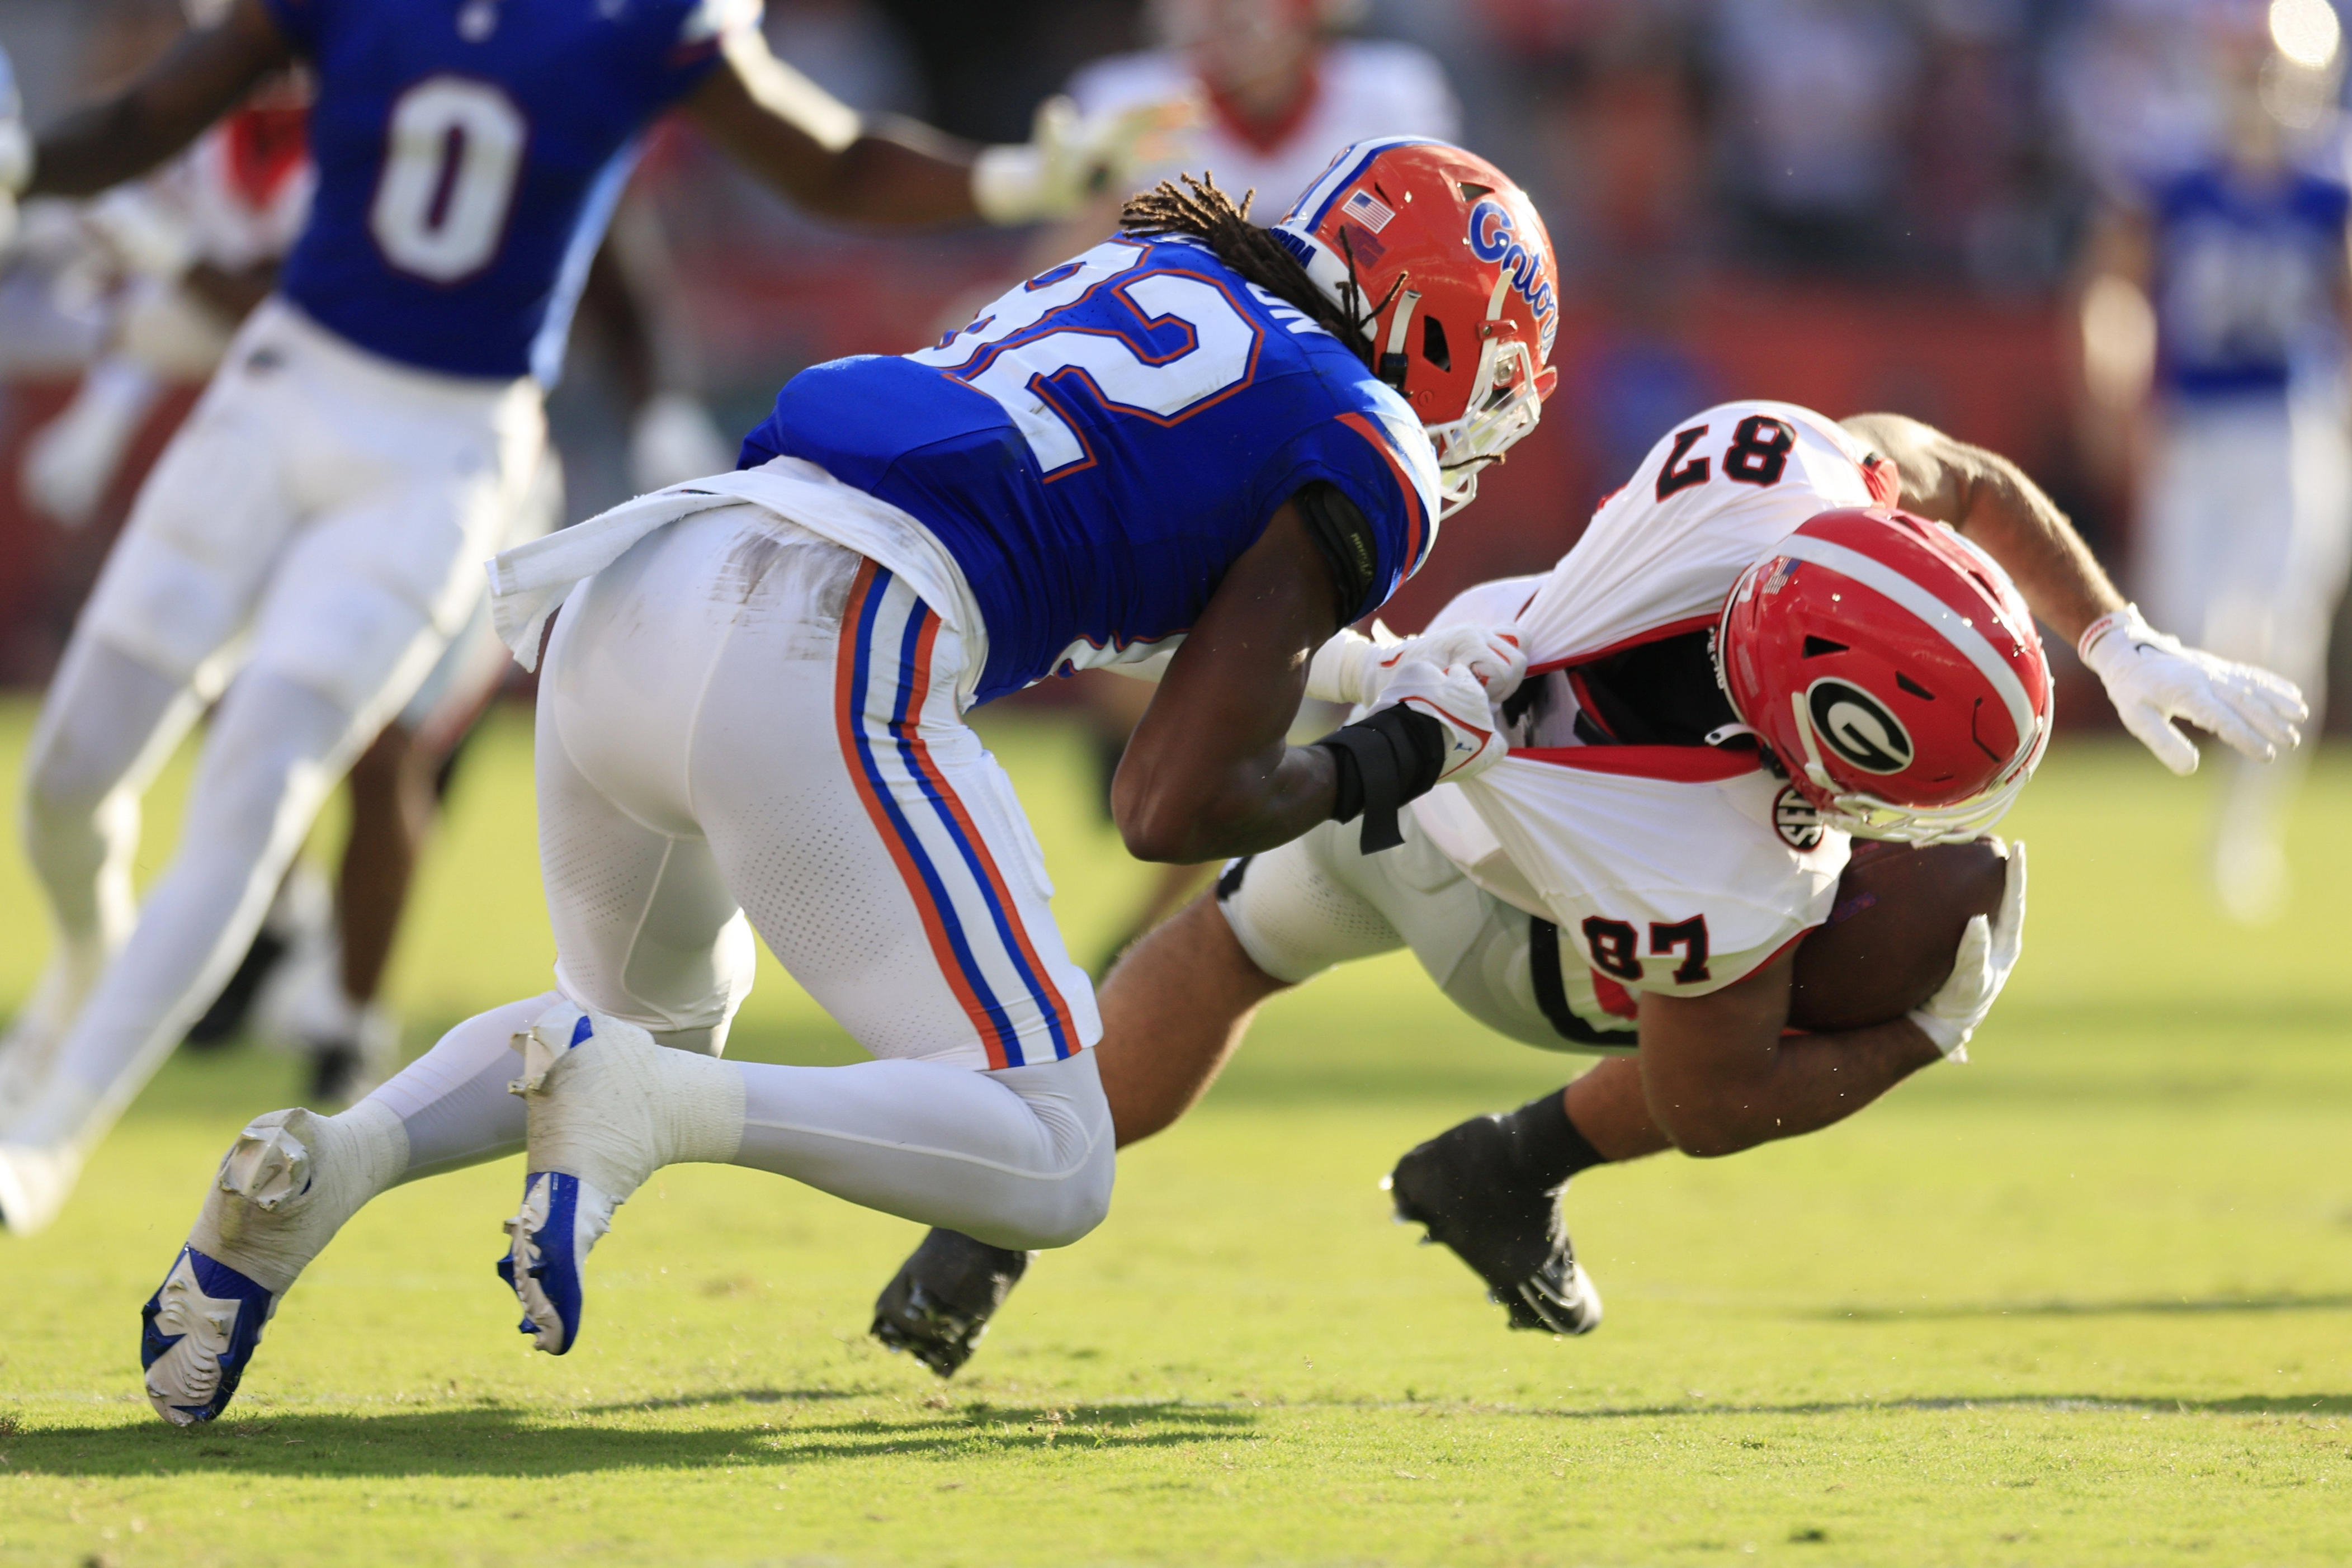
column 322, row 516
column 2246, row 510
column 1203, row 445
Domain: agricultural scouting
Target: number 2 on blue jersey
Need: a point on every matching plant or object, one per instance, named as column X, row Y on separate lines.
column 1078, row 329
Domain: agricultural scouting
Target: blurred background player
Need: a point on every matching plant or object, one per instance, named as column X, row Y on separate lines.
column 1279, row 90
column 373, row 436
column 184, row 257
column 2245, row 511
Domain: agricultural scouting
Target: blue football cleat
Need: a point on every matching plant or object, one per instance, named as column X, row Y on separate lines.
column 547, row 1241
column 202, row 1327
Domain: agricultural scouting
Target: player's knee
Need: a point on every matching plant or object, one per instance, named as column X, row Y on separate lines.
column 1069, row 1209
column 1710, row 1134
column 382, row 768
column 60, row 790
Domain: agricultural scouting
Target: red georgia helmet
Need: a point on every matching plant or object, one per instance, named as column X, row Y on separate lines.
column 1892, row 670
column 1449, row 260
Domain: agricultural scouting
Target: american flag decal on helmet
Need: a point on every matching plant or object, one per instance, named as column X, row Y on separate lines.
column 1369, row 210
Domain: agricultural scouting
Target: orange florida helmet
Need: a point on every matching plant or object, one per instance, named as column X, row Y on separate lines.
column 1891, row 669
column 1445, row 261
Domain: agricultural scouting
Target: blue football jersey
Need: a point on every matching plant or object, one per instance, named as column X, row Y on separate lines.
column 1102, row 443
column 469, row 154
column 2246, row 275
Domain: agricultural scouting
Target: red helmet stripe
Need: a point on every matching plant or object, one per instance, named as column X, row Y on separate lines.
column 1955, row 629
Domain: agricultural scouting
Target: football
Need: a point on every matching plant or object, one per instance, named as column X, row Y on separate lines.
column 1889, row 940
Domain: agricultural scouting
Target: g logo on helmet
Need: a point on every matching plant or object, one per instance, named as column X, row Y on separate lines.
column 1858, row 727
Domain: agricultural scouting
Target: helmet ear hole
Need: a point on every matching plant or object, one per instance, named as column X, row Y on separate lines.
column 1432, row 343
column 1817, row 645
column 1914, row 688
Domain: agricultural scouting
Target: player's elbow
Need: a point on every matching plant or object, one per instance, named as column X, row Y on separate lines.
column 1163, row 828
column 1167, row 814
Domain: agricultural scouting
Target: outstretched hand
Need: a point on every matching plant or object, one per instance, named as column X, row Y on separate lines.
column 2153, row 679
column 1070, row 158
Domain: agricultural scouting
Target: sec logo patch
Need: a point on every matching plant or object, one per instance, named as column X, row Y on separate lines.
column 1795, row 820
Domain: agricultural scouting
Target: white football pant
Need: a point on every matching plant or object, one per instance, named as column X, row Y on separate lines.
column 1320, row 900
column 743, row 726
column 321, row 520
column 2246, row 538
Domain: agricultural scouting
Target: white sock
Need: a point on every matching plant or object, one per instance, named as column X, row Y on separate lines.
column 610, row 1106
column 453, row 1101
column 1019, row 1158
column 291, row 1180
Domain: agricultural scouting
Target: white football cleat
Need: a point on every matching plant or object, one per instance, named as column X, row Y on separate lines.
column 291, row 1180
column 608, row 1107
column 34, row 1181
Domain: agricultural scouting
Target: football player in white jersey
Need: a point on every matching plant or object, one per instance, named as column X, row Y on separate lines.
column 1744, row 662
column 1277, row 92
column 195, row 247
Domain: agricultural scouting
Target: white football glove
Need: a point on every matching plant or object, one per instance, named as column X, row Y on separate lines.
column 2153, row 680
column 1988, row 953
column 141, row 236
column 1474, row 741
column 1355, row 669
column 1069, row 159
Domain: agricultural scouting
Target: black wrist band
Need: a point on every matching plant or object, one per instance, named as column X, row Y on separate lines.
column 1384, row 761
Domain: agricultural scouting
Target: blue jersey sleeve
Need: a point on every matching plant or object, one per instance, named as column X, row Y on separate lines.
column 687, row 39
column 1390, row 473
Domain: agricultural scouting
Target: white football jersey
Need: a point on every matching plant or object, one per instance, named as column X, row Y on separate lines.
column 1671, row 868
column 1364, row 88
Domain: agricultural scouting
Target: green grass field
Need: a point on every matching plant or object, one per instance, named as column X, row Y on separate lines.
column 2088, row 1299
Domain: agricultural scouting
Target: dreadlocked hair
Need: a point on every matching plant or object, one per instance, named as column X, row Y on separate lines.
column 1199, row 210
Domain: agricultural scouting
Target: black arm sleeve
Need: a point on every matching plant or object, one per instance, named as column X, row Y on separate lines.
column 1383, row 760
column 1344, row 537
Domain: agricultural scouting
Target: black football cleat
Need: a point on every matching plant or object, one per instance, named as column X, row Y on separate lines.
column 1462, row 1186
column 224, row 1020
column 940, row 1303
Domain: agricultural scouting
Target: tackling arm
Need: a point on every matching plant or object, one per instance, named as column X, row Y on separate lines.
column 1207, row 774
column 199, row 79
